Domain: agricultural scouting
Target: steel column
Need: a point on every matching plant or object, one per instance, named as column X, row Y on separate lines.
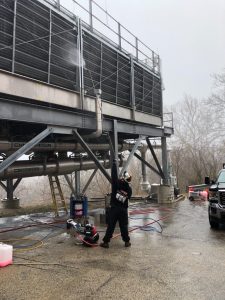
column 115, row 143
column 9, row 190
column 86, row 148
column 165, row 161
column 12, row 158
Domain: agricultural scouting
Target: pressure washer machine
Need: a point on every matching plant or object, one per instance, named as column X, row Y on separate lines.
column 87, row 233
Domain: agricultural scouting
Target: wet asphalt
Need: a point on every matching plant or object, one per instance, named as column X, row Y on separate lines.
column 178, row 257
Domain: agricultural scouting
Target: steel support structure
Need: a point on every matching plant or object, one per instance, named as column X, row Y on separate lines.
column 14, row 110
column 10, row 188
column 147, row 164
column 12, row 158
column 132, row 152
column 94, row 158
column 115, row 143
column 89, row 181
column 70, row 184
column 162, row 175
column 77, row 183
column 165, row 161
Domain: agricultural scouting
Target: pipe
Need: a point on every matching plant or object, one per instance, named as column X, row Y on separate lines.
column 98, row 110
column 21, row 169
column 144, row 183
column 7, row 146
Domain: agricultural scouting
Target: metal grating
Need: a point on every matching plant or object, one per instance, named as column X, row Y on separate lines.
column 40, row 43
column 222, row 198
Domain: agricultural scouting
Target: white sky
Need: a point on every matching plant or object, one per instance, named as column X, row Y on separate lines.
column 189, row 36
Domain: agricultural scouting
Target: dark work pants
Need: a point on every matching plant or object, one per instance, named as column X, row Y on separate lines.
column 119, row 214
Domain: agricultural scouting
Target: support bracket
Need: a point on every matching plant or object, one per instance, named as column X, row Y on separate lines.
column 161, row 174
column 88, row 150
column 29, row 145
column 147, row 164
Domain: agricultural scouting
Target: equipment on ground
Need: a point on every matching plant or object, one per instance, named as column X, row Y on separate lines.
column 89, row 232
column 199, row 192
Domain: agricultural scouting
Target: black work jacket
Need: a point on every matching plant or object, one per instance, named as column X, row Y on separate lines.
column 117, row 185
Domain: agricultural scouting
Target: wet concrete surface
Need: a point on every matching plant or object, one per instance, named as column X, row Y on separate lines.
column 184, row 261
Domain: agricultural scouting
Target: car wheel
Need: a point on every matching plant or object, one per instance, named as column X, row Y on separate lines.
column 191, row 198
column 213, row 224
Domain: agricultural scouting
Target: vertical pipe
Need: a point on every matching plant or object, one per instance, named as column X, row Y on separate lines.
column 14, row 37
column 164, row 160
column 77, row 182
column 50, row 45
column 144, row 184
column 143, row 166
column 115, row 141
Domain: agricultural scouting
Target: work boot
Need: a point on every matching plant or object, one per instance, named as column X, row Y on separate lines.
column 104, row 245
column 127, row 244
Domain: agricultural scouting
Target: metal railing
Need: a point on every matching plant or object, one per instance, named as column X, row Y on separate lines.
column 168, row 119
column 119, row 35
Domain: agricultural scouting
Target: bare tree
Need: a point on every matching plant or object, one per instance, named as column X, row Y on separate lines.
column 196, row 150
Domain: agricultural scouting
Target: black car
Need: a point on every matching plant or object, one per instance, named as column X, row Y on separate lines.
column 217, row 201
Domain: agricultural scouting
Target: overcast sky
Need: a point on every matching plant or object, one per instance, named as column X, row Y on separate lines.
column 189, row 36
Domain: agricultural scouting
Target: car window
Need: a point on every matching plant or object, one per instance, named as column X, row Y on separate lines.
column 221, row 177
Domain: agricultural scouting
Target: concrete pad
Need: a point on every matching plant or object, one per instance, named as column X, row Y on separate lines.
column 185, row 261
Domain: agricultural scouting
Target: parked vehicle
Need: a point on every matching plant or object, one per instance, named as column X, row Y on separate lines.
column 198, row 192
column 217, row 201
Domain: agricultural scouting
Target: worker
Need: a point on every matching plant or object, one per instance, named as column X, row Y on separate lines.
column 121, row 193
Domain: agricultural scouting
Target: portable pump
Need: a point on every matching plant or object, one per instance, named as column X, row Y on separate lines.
column 89, row 231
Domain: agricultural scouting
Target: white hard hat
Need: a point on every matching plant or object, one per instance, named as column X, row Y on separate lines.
column 127, row 176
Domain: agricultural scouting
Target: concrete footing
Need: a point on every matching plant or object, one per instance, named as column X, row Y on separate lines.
column 11, row 204
column 162, row 193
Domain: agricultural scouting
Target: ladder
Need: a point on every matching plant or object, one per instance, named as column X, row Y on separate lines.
column 57, row 195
